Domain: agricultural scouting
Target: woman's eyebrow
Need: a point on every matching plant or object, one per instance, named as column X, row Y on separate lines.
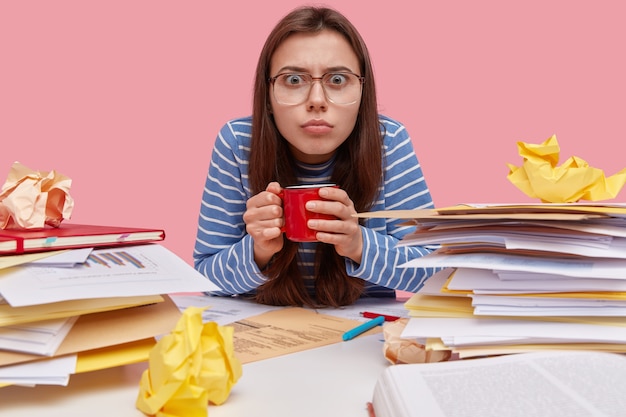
column 340, row 68
column 293, row 68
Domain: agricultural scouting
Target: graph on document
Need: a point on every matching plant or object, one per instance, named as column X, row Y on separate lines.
column 105, row 264
column 111, row 259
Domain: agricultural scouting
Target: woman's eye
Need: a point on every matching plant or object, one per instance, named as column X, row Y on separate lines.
column 337, row 79
column 293, row 79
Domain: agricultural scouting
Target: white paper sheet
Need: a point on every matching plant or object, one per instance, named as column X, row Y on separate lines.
column 65, row 259
column 478, row 280
column 39, row 338
column 573, row 267
column 124, row 271
column 450, row 327
column 225, row 310
column 54, row 371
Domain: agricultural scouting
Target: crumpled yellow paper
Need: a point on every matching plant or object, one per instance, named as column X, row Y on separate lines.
column 398, row 350
column 540, row 177
column 32, row 199
column 188, row 368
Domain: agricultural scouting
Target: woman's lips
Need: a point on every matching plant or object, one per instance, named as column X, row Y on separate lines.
column 317, row 126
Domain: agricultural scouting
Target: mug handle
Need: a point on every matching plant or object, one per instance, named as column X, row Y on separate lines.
column 281, row 195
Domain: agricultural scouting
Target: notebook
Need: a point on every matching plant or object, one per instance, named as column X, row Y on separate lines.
column 72, row 236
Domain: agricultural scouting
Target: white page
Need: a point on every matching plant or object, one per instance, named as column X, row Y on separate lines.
column 616, row 249
column 531, row 302
column 66, row 259
column 53, row 371
column 39, row 338
column 226, row 310
column 503, row 305
column 512, row 239
column 526, row 276
column 434, row 284
column 575, row 267
column 469, row 341
column 438, row 327
column 546, row 384
column 222, row 310
column 549, row 311
column 453, row 341
column 476, row 279
column 115, row 272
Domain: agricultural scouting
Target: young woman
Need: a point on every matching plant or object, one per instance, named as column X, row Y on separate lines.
column 314, row 120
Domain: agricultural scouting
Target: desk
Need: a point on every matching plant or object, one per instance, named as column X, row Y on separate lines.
column 335, row 380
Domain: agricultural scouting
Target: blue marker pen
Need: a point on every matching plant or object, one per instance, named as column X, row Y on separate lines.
column 351, row 334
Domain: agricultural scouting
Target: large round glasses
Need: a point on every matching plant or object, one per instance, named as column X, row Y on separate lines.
column 293, row 88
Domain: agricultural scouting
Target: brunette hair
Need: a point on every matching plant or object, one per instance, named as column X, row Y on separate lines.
column 358, row 166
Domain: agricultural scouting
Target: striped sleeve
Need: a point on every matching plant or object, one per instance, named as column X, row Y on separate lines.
column 404, row 187
column 223, row 251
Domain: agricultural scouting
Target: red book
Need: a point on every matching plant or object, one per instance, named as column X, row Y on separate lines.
column 73, row 236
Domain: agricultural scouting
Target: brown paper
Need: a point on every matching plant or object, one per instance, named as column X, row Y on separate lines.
column 32, row 199
column 398, row 350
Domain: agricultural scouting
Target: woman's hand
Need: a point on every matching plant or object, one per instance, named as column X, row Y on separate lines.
column 345, row 232
column 264, row 219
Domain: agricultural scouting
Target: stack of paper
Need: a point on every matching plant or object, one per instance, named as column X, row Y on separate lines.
column 98, row 307
column 516, row 278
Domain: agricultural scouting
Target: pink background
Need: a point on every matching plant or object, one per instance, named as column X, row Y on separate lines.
column 126, row 97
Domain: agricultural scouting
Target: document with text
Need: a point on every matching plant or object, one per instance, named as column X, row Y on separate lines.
column 547, row 384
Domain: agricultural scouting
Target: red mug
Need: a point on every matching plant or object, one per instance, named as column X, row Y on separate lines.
column 296, row 215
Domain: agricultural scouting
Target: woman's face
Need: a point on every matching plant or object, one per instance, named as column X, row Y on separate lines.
column 315, row 128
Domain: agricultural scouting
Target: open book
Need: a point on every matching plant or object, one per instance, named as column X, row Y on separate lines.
column 546, row 384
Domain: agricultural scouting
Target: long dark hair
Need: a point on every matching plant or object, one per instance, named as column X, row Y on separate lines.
column 358, row 166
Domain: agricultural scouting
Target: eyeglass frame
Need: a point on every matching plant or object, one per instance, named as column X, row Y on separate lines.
column 272, row 81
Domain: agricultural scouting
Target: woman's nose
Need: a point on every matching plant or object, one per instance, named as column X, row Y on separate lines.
column 317, row 95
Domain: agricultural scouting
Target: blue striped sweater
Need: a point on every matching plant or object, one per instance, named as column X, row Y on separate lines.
column 223, row 250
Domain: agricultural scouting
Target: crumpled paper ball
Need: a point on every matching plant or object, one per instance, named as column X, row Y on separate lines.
column 188, row 368
column 541, row 177
column 398, row 350
column 33, row 199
